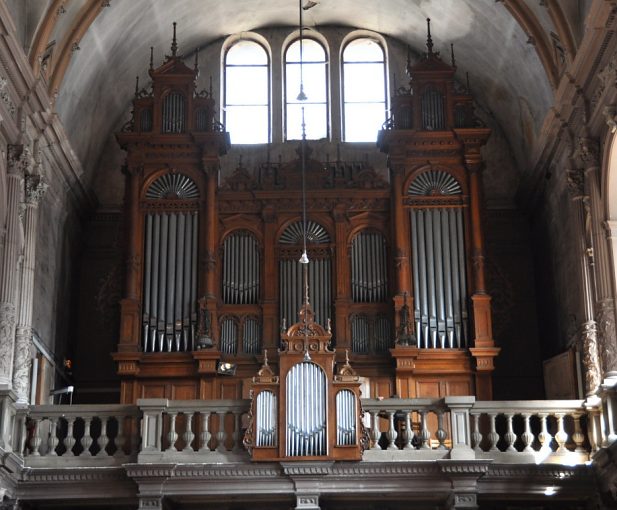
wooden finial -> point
(136, 85)
(452, 55)
(174, 43)
(151, 58)
(196, 60)
(468, 87)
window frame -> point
(268, 67)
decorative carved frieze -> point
(591, 362)
(22, 364)
(607, 335)
(7, 337)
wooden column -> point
(269, 279)
(130, 306)
(400, 236)
(208, 284)
(484, 350)
(342, 297)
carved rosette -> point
(23, 362)
(7, 336)
(607, 335)
(589, 341)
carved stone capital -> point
(588, 151)
(35, 188)
(576, 183)
(591, 362)
(19, 160)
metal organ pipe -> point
(345, 418)
(266, 419)
(169, 282)
(440, 289)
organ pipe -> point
(169, 289)
(369, 281)
(241, 269)
(345, 418)
(440, 287)
(266, 416)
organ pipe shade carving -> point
(370, 334)
(440, 287)
(434, 182)
(369, 280)
(251, 336)
(306, 393)
(315, 234)
(345, 418)
(433, 111)
(266, 414)
(229, 336)
(241, 269)
(170, 281)
(173, 186)
(174, 113)
(145, 120)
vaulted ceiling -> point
(89, 51)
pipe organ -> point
(395, 278)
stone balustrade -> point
(208, 431)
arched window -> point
(247, 93)
(364, 90)
(315, 87)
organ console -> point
(395, 279)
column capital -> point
(35, 189)
(576, 183)
(19, 160)
(588, 151)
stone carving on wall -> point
(607, 78)
(589, 341)
(35, 188)
(19, 159)
(7, 332)
(576, 182)
(6, 98)
(588, 151)
(607, 335)
(23, 361)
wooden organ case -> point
(395, 278)
(433, 144)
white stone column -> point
(35, 189)
(18, 160)
(589, 336)
(588, 151)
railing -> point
(211, 431)
(79, 434)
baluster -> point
(172, 436)
(375, 432)
(134, 427)
(221, 435)
(527, 436)
(35, 442)
(103, 438)
(22, 439)
(544, 436)
(53, 437)
(510, 436)
(188, 434)
(493, 437)
(120, 439)
(86, 440)
(409, 432)
(237, 447)
(69, 440)
(392, 434)
(561, 436)
(441, 432)
(205, 432)
(578, 437)
(425, 433)
(476, 437)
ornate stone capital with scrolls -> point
(19, 160)
(35, 189)
(591, 362)
(588, 151)
(576, 183)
